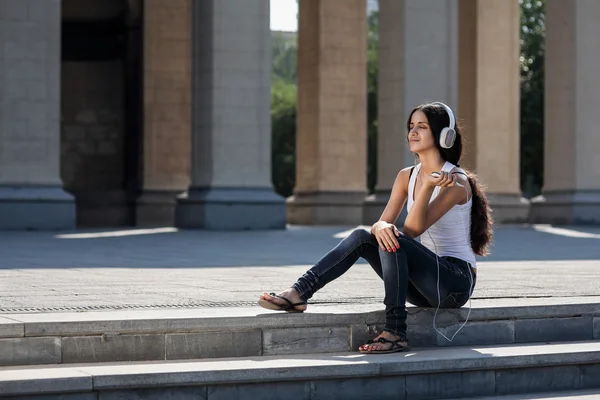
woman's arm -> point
(397, 197)
(384, 230)
(423, 214)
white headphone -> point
(448, 134)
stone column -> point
(331, 137)
(418, 41)
(231, 130)
(489, 101)
(31, 193)
(167, 109)
(571, 192)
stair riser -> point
(382, 386)
(278, 341)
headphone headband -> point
(448, 111)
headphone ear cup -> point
(447, 137)
(443, 138)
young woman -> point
(447, 208)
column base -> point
(156, 208)
(326, 208)
(374, 206)
(509, 208)
(566, 208)
(230, 209)
(103, 208)
(36, 208)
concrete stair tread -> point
(142, 321)
(566, 395)
(108, 376)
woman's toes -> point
(267, 297)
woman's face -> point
(420, 137)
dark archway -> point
(101, 109)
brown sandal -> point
(396, 346)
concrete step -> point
(451, 372)
(29, 339)
(564, 395)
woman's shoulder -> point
(403, 177)
(408, 171)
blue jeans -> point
(409, 274)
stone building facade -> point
(153, 112)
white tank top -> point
(450, 235)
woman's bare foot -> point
(289, 294)
(384, 346)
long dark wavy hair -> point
(481, 213)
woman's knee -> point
(360, 235)
(400, 239)
(358, 238)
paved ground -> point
(102, 270)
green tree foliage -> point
(533, 34)
(283, 129)
(283, 114)
(284, 55)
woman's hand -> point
(444, 179)
(386, 234)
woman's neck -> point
(431, 162)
